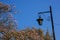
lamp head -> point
(40, 21)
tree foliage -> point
(7, 22)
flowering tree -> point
(7, 22)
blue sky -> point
(28, 13)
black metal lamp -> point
(40, 21)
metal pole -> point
(52, 23)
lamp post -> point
(40, 20)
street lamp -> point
(40, 20)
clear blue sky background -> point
(29, 13)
